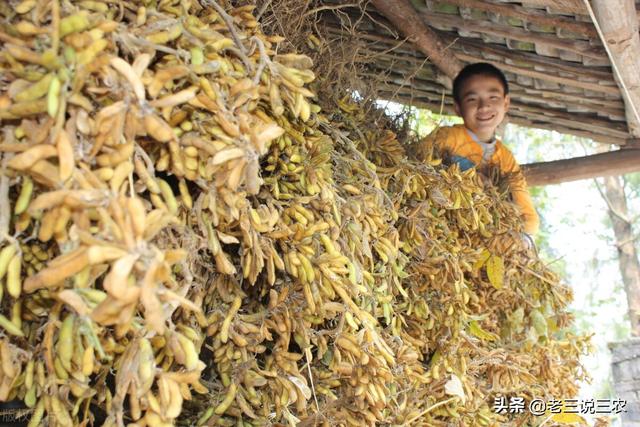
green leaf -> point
(477, 331)
(495, 271)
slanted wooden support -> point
(611, 163)
(407, 21)
(619, 24)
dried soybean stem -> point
(328, 7)
(426, 411)
(264, 60)
(60, 114)
(307, 353)
(55, 26)
(234, 34)
(146, 159)
(5, 206)
(128, 39)
(263, 9)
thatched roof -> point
(559, 72)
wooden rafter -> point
(529, 15)
(575, 7)
(576, 46)
(534, 60)
(475, 45)
(471, 50)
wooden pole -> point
(408, 22)
(617, 23)
(612, 163)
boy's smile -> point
(483, 105)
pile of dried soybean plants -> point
(187, 239)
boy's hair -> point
(477, 69)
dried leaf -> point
(484, 256)
(495, 271)
(454, 387)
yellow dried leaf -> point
(484, 256)
(569, 418)
(495, 271)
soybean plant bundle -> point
(483, 316)
(187, 240)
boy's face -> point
(483, 105)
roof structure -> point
(558, 68)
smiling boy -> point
(481, 98)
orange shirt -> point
(457, 141)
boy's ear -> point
(507, 103)
(456, 108)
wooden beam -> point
(576, 46)
(619, 25)
(613, 163)
(529, 15)
(404, 17)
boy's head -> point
(481, 95)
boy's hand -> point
(485, 181)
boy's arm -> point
(519, 191)
(440, 141)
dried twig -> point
(429, 409)
(242, 54)
(5, 206)
(263, 9)
(264, 60)
(327, 7)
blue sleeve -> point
(462, 162)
